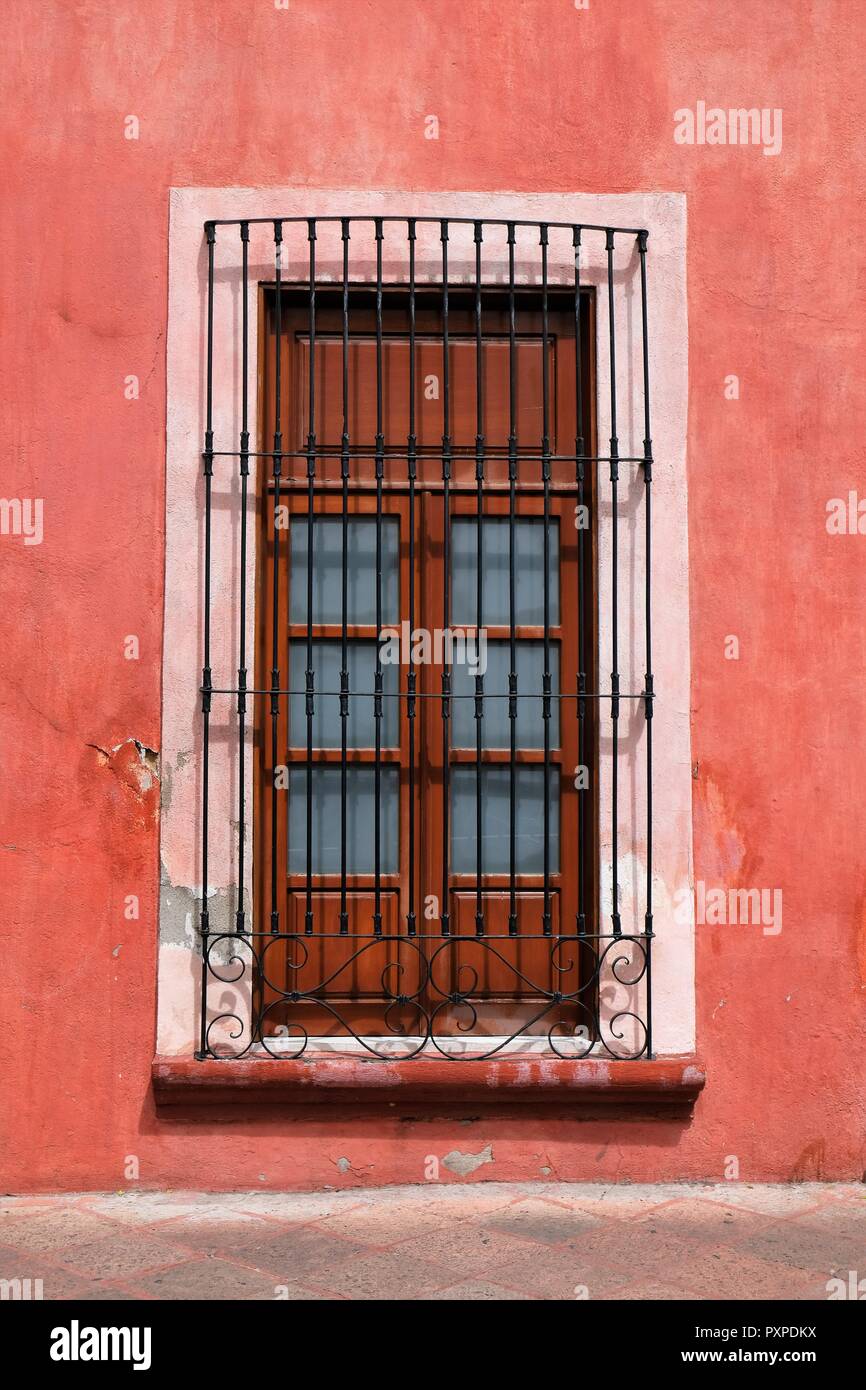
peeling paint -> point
(142, 769)
(150, 764)
(464, 1164)
(178, 914)
(179, 908)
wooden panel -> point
(428, 392)
(506, 979)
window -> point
(428, 742)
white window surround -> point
(664, 215)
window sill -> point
(183, 1081)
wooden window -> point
(350, 973)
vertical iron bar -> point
(344, 601)
(242, 636)
(479, 679)
(580, 474)
(410, 679)
(377, 701)
(649, 689)
(545, 475)
(614, 677)
(446, 589)
(275, 652)
(207, 679)
(311, 479)
(512, 589)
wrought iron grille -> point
(283, 986)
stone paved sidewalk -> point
(454, 1241)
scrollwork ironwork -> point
(429, 996)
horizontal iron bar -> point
(431, 221)
(435, 695)
(494, 454)
(470, 937)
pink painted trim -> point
(184, 1081)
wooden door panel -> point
(428, 392)
(509, 980)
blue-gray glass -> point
(360, 570)
(495, 724)
(495, 550)
(495, 819)
(360, 811)
(360, 725)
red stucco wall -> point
(530, 95)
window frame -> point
(664, 214)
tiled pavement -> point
(461, 1241)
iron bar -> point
(545, 473)
(614, 677)
(479, 677)
(411, 677)
(431, 221)
(275, 649)
(648, 678)
(207, 675)
(242, 635)
(377, 699)
(344, 592)
(396, 452)
(311, 481)
(580, 516)
(512, 590)
(445, 914)
(433, 695)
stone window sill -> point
(183, 1081)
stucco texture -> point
(532, 96)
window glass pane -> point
(360, 812)
(360, 725)
(495, 724)
(495, 546)
(328, 570)
(495, 819)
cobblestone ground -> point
(456, 1241)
